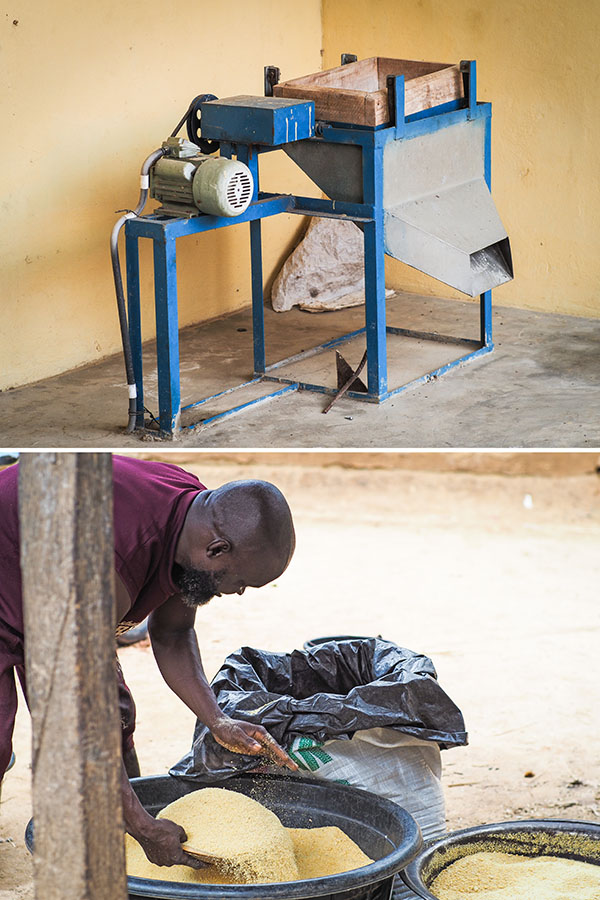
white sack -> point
(325, 271)
(398, 766)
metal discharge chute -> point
(439, 215)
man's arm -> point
(171, 629)
(160, 838)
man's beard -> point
(196, 586)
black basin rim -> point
(411, 874)
(292, 890)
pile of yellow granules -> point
(489, 875)
(255, 846)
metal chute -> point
(454, 235)
(439, 215)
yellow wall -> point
(92, 89)
(537, 62)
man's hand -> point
(243, 737)
(162, 842)
(160, 839)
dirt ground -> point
(496, 578)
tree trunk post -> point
(67, 563)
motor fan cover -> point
(222, 187)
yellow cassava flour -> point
(257, 848)
(504, 876)
(325, 851)
(250, 838)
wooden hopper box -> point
(356, 94)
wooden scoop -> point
(210, 858)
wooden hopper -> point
(356, 93)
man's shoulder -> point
(152, 471)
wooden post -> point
(67, 562)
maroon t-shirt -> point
(151, 500)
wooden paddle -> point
(210, 858)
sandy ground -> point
(500, 590)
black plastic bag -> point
(331, 691)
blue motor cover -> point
(257, 120)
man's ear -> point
(217, 547)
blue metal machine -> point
(440, 220)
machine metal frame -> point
(164, 231)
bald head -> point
(254, 514)
(235, 536)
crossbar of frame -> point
(368, 397)
(287, 389)
(293, 384)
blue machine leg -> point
(375, 308)
(485, 300)
(132, 256)
(167, 335)
(485, 318)
(249, 156)
(258, 312)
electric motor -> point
(186, 181)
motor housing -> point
(187, 182)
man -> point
(177, 545)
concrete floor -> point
(539, 388)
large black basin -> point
(382, 829)
(529, 837)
